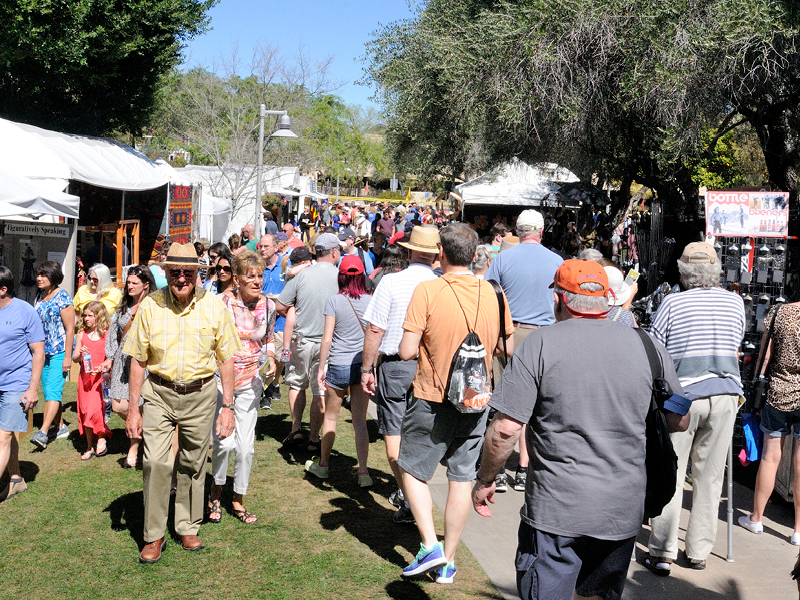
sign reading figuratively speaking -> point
(747, 214)
(37, 229)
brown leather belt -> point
(181, 388)
(526, 325)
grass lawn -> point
(77, 531)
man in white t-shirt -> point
(384, 375)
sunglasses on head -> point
(176, 273)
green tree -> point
(91, 66)
(621, 90)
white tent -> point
(56, 157)
(516, 183)
(222, 183)
(21, 196)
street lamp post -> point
(283, 130)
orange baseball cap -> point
(572, 273)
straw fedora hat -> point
(181, 255)
(423, 239)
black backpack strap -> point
(502, 304)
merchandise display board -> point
(751, 214)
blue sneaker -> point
(426, 560)
(446, 573)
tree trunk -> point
(778, 140)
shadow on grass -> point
(405, 590)
(127, 513)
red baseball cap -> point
(351, 265)
(572, 273)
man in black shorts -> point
(582, 388)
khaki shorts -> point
(302, 370)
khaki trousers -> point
(499, 362)
(193, 414)
(706, 441)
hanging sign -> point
(747, 214)
(37, 230)
(180, 213)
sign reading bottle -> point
(747, 214)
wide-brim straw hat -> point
(423, 239)
(181, 255)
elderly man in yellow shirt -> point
(181, 335)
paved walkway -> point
(760, 569)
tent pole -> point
(71, 257)
(729, 524)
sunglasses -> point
(176, 273)
(94, 279)
(213, 256)
(224, 268)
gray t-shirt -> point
(307, 292)
(348, 334)
(583, 388)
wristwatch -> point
(365, 371)
(227, 405)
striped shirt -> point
(702, 330)
(182, 345)
(389, 303)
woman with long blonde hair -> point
(90, 352)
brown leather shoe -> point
(191, 542)
(152, 552)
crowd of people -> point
(367, 305)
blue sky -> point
(335, 28)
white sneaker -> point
(757, 527)
(796, 539)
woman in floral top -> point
(57, 312)
(254, 316)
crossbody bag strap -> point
(363, 329)
(653, 357)
(127, 327)
(762, 364)
(502, 304)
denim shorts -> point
(53, 377)
(12, 415)
(777, 423)
(340, 377)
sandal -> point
(657, 564)
(88, 455)
(244, 516)
(214, 508)
(127, 464)
(314, 446)
(295, 438)
(104, 451)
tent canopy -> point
(48, 155)
(29, 197)
(515, 183)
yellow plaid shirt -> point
(182, 345)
